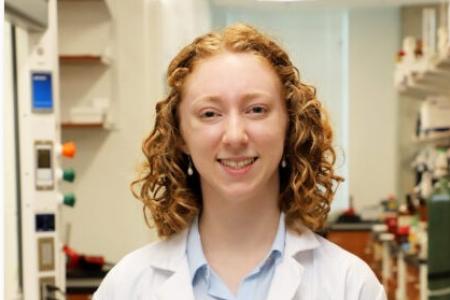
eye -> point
(257, 109)
(208, 114)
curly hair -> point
(307, 185)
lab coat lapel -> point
(170, 261)
(286, 280)
(289, 273)
(177, 286)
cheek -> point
(269, 141)
(272, 130)
(198, 136)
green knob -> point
(69, 199)
(69, 175)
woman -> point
(239, 172)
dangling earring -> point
(283, 162)
(190, 171)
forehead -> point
(229, 74)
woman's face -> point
(233, 121)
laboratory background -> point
(81, 79)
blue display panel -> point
(42, 95)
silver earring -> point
(190, 171)
(283, 162)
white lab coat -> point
(311, 268)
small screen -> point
(45, 222)
(44, 159)
(42, 91)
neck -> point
(239, 225)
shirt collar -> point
(197, 259)
(194, 250)
(280, 238)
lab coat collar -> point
(169, 256)
(289, 273)
(296, 243)
(178, 285)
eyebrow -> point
(247, 97)
(212, 99)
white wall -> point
(107, 220)
(374, 36)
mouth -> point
(237, 163)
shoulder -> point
(142, 268)
(334, 255)
(126, 274)
(357, 277)
(331, 271)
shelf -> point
(432, 82)
(419, 91)
(86, 64)
(83, 59)
(85, 3)
(436, 138)
(444, 63)
(70, 125)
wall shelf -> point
(83, 59)
(86, 59)
(434, 81)
(444, 63)
(436, 138)
(70, 125)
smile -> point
(237, 163)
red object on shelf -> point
(349, 212)
(80, 261)
(73, 257)
(403, 230)
(402, 234)
(392, 224)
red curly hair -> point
(307, 185)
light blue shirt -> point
(207, 285)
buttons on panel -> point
(66, 174)
(67, 149)
(67, 199)
(44, 164)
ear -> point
(183, 147)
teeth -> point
(237, 164)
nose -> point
(235, 134)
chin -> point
(240, 192)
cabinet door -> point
(356, 242)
